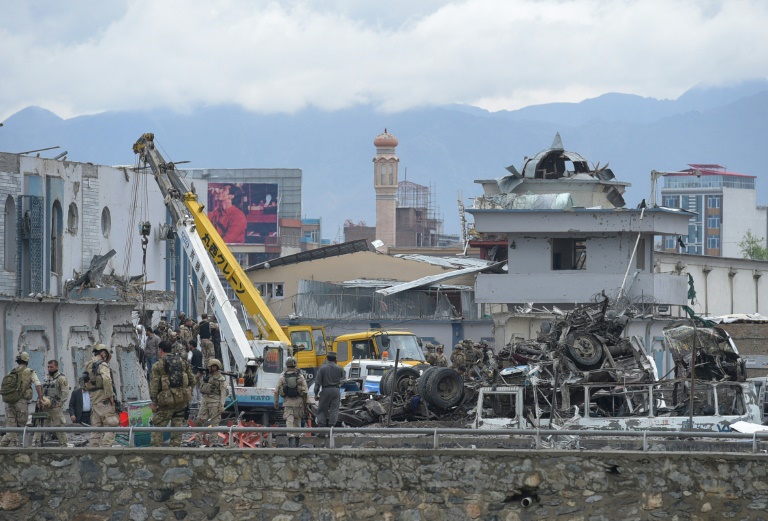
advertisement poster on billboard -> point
(243, 213)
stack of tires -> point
(440, 387)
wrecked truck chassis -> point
(621, 408)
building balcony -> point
(577, 286)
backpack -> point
(10, 389)
(291, 387)
(175, 392)
(175, 371)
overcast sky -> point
(82, 57)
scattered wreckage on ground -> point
(579, 373)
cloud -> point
(81, 57)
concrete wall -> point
(405, 484)
(740, 214)
(723, 285)
(66, 332)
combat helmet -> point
(214, 361)
(290, 362)
(102, 347)
(23, 356)
(430, 347)
(458, 346)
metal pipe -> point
(693, 373)
(526, 501)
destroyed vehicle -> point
(717, 357)
(661, 406)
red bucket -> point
(123, 419)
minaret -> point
(385, 182)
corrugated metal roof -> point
(447, 262)
(387, 283)
(431, 279)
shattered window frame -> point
(577, 248)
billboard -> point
(243, 213)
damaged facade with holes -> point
(571, 247)
(72, 262)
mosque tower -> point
(385, 183)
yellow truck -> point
(378, 345)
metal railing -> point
(537, 436)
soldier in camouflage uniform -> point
(177, 345)
(206, 342)
(458, 360)
(56, 389)
(163, 331)
(169, 402)
(103, 412)
(294, 398)
(188, 331)
(431, 357)
(213, 388)
(440, 359)
(17, 407)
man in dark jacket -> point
(327, 381)
(80, 405)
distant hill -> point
(445, 147)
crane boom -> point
(187, 213)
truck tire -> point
(444, 388)
(585, 350)
(423, 379)
(399, 382)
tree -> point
(753, 247)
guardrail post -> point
(331, 441)
(24, 437)
(645, 441)
(538, 439)
(436, 441)
(130, 436)
(231, 437)
(754, 442)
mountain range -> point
(445, 147)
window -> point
(670, 242)
(319, 341)
(106, 222)
(671, 201)
(713, 201)
(713, 221)
(713, 242)
(569, 254)
(302, 340)
(274, 290)
(9, 235)
(342, 352)
(73, 219)
(640, 255)
(56, 229)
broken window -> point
(56, 229)
(9, 235)
(569, 254)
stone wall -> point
(450, 484)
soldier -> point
(206, 344)
(458, 359)
(431, 357)
(56, 389)
(327, 381)
(182, 319)
(150, 350)
(163, 331)
(177, 345)
(293, 388)
(440, 359)
(102, 390)
(214, 391)
(17, 392)
(170, 389)
(187, 331)
(216, 338)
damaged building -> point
(73, 265)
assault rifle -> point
(206, 371)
